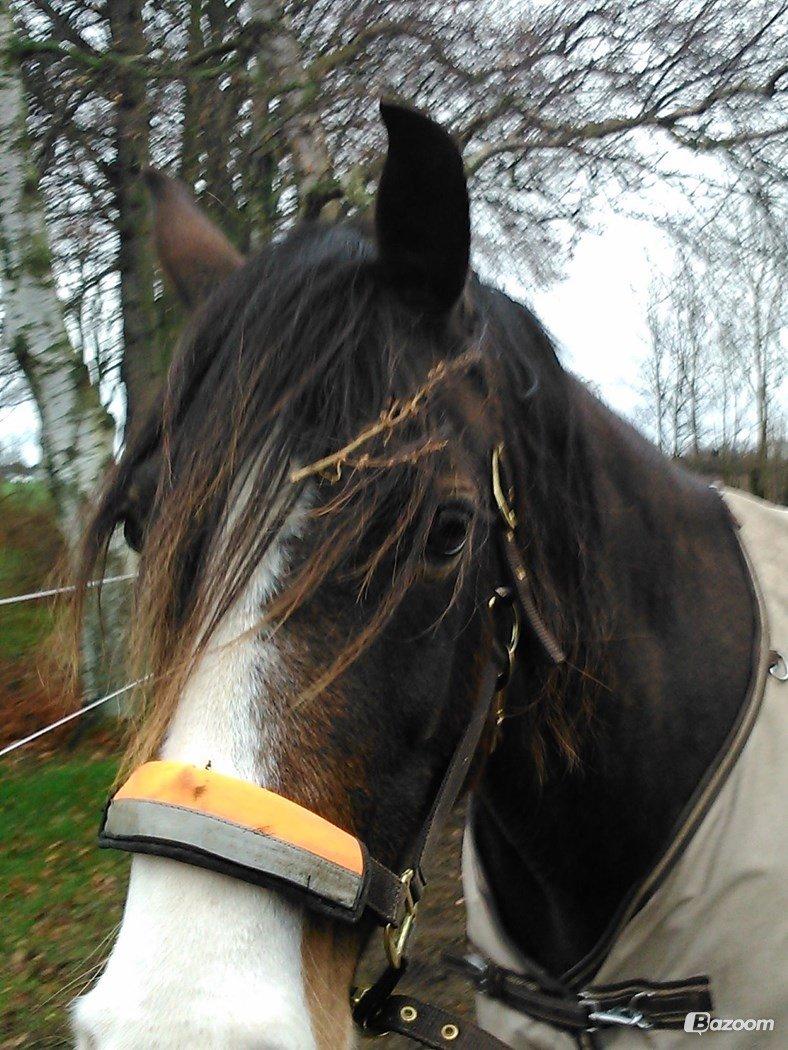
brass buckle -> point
(356, 995)
(395, 938)
(505, 596)
(503, 497)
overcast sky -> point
(19, 424)
(597, 313)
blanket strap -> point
(628, 1004)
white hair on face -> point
(202, 959)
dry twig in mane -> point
(330, 467)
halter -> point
(212, 821)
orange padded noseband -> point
(235, 828)
(245, 804)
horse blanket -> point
(716, 902)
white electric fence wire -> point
(69, 718)
(63, 590)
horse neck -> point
(562, 852)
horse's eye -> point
(448, 532)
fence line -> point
(69, 718)
(16, 598)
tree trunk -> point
(143, 362)
(76, 430)
(760, 383)
(193, 102)
(280, 62)
(761, 486)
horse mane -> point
(544, 422)
(288, 362)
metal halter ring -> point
(505, 596)
(503, 496)
(395, 938)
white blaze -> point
(203, 960)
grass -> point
(26, 519)
(22, 626)
(60, 896)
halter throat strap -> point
(511, 554)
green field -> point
(60, 896)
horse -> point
(367, 468)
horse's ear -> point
(193, 252)
(422, 213)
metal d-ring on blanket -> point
(778, 666)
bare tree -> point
(731, 393)
(76, 431)
(718, 331)
(676, 375)
(268, 110)
(656, 371)
(753, 250)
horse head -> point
(312, 504)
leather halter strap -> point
(431, 1025)
(376, 1009)
(212, 821)
(503, 492)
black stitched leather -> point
(456, 773)
(430, 1025)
